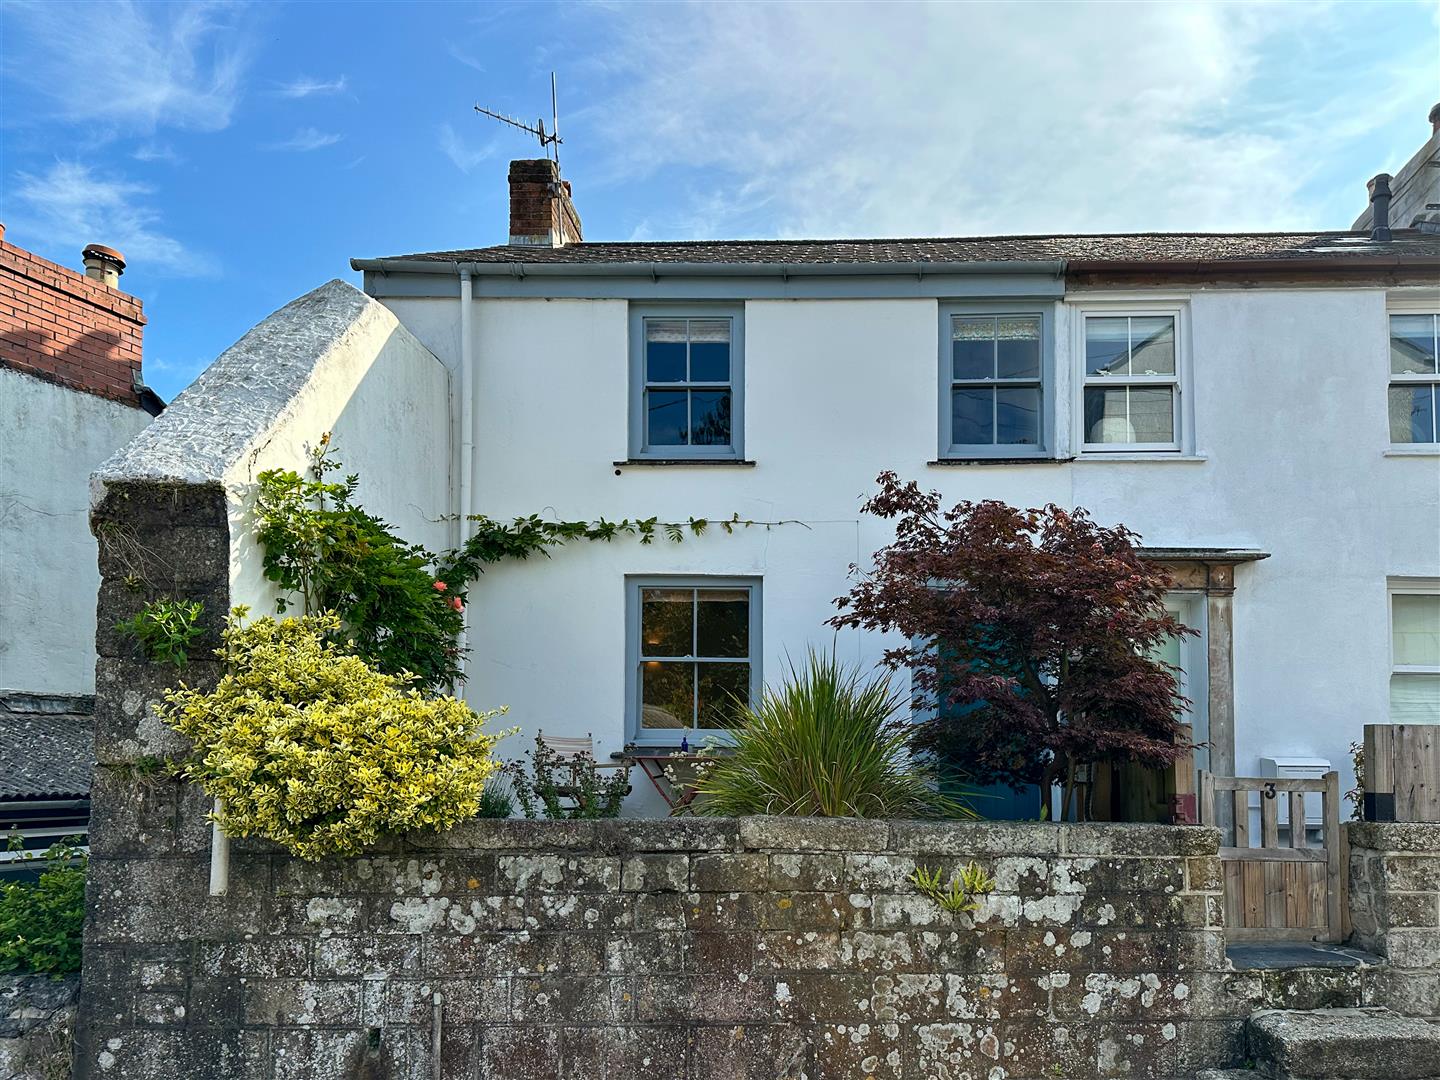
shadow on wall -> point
(88, 363)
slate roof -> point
(45, 753)
(1155, 248)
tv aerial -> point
(549, 140)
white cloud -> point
(933, 119)
(306, 139)
(305, 86)
(463, 155)
(137, 67)
(71, 205)
(156, 151)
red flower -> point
(440, 586)
(456, 604)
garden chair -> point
(573, 753)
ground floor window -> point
(1415, 652)
(693, 654)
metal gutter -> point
(656, 270)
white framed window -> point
(1132, 378)
(1414, 390)
(693, 653)
(996, 380)
(686, 381)
(1415, 651)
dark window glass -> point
(667, 695)
(1017, 415)
(724, 691)
(667, 422)
(710, 417)
(1017, 343)
(723, 622)
(666, 622)
(972, 416)
(973, 348)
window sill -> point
(673, 463)
(965, 462)
(1162, 456)
(1421, 451)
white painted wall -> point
(1290, 431)
(385, 399)
(51, 438)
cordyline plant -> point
(1031, 637)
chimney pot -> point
(1435, 118)
(541, 213)
(1379, 189)
(103, 264)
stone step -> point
(1344, 1044)
(1227, 1074)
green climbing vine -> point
(400, 605)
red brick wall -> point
(62, 326)
(540, 202)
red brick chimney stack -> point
(541, 213)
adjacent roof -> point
(48, 747)
(1172, 249)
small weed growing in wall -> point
(166, 629)
(961, 894)
(41, 921)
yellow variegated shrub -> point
(311, 747)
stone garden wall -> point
(673, 949)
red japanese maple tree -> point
(1031, 634)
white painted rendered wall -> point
(385, 399)
(1290, 425)
(51, 438)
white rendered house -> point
(1261, 408)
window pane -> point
(666, 417)
(1018, 348)
(1412, 344)
(710, 416)
(1107, 346)
(972, 416)
(1415, 625)
(1412, 414)
(1415, 699)
(709, 350)
(1017, 415)
(1152, 350)
(724, 693)
(1152, 414)
(665, 350)
(973, 347)
(666, 621)
(667, 695)
(723, 622)
(1105, 419)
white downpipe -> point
(219, 856)
(467, 438)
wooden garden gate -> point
(1274, 893)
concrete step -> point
(1344, 1044)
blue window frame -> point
(996, 380)
(687, 391)
(692, 655)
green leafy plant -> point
(496, 801)
(312, 747)
(566, 789)
(1356, 795)
(824, 744)
(394, 610)
(961, 893)
(166, 629)
(41, 921)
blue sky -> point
(240, 154)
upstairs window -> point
(993, 379)
(687, 394)
(1132, 382)
(1414, 379)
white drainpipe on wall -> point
(467, 438)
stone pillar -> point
(1395, 911)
